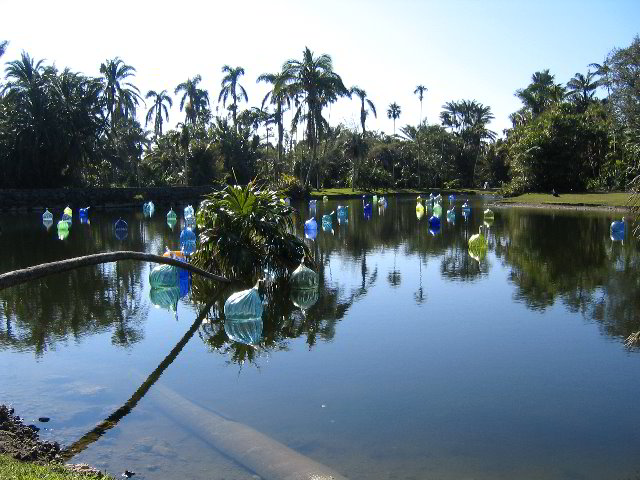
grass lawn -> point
(617, 199)
(347, 192)
(11, 469)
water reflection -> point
(549, 257)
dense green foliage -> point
(62, 128)
(245, 230)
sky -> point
(459, 49)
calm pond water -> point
(416, 361)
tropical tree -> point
(314, 82)
(468, 120)
(121, 96)
(541, 93)
(363, 109)
(157, 109)
(279, 97)
(582, 88)
(3, 47)
(194, 99)
(394, 112)
(355, 149)
(420, 89)
(230, 88)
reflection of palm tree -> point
(394, 275)
(112, 420)
(419, 294)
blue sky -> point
(481, 50)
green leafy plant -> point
(245, 230)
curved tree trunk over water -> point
(17, 277)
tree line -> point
(63, 128)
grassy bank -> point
(617, 199)
(347, 192)
(11, 469)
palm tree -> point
(194, 100)
(394, 112)
(541, 94)
(363, 110)
(158, 107)
(582, 88)
(121, 97)
(279, 97)
(604, 72)
(229, 88)
(317, 85)
(420, 89)
(355, 148)
(3, 47)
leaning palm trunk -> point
(17, 277)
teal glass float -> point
(246, 304)
(148, 208)
(172, 219)
(188, 241)
(164, 276)
(343, 212)
(327, 222)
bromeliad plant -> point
(245, 231)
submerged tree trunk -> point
(17, 277)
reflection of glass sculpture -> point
(451, 215)
(325, 199)
(437, 210)
(488, 214)
(419, 212)
(188, 241)
(478, 245)
(618, 229)
(452, 198)
(63, 234)
(148, 208)
(304, 298)
(172, 219)
(62, 225)
(311, 228)
(189, 211)
(434, 221)
(247, 331)
(67, 218)
(466, 207)
(121, 229)
(165, 297)
(312, 206)
(368, 211)
(343, 212)
(327, 222)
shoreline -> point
(24, 455)
(561, 206)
